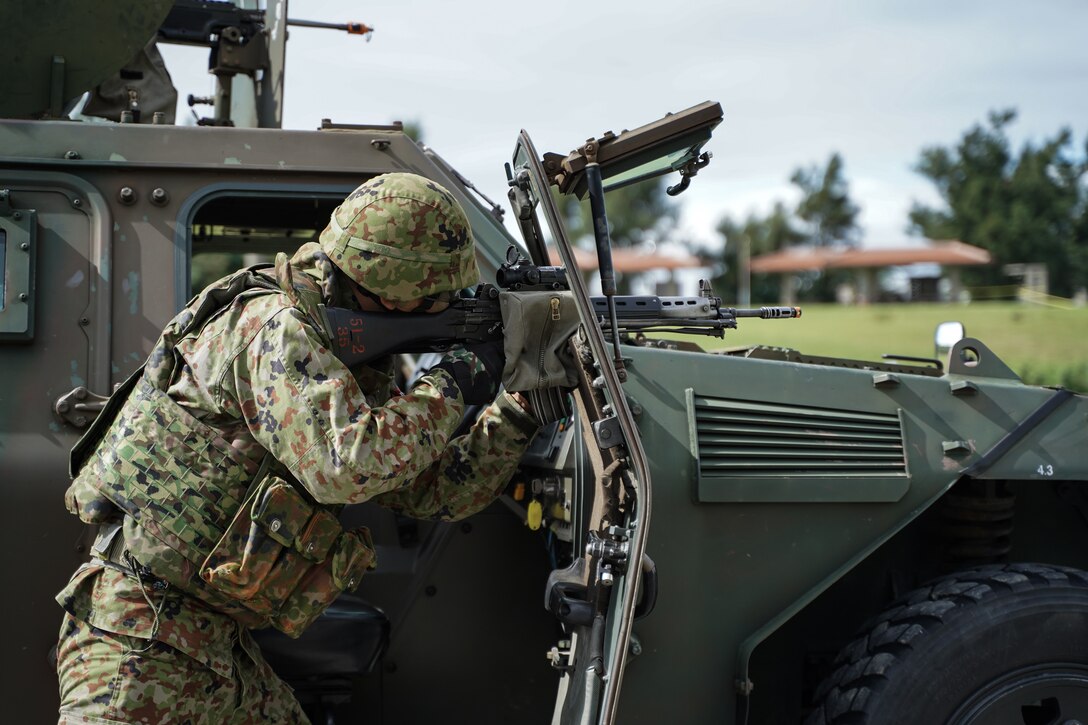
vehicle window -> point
(231, 231)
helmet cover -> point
(402, 237)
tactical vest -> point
(256, 547)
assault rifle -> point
(359, 337)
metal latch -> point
(611, 553)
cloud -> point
(874, 81)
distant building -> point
(636, 261)
(949, 255)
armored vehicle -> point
(756, 536)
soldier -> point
(217, 471)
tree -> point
(1027, 207)
(414, 130)
(825, 206)
(824, 217)
(760, 235)
(829, 219)
(637, 214)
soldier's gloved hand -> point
(477, 371)
(493, 356)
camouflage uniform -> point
(258, 388)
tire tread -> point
(863, 666)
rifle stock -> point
(359, 337)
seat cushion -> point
(346, 640)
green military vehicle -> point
(831, 541)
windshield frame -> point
(638, 472)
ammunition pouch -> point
(285, 559)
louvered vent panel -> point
(745, 439)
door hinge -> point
(80, 406)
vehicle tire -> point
(996, 645)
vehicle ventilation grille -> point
(744, 439)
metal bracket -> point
(885, 380)
(519, 197)
(559, 656)
(955, 447)
(236, 54)
(567, 597)
(608, 433)
(18, 255)
(619, 533)
(80, 406)
(963, 387)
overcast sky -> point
(875, 81)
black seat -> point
(346, 641)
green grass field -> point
(1045, 346)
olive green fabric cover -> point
(537, 327)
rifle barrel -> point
(767, 313)
(351, 28)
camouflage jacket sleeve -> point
(473, 469)
(307, 409)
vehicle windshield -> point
(654, 167)
(671, 143)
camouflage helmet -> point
(402, 237)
